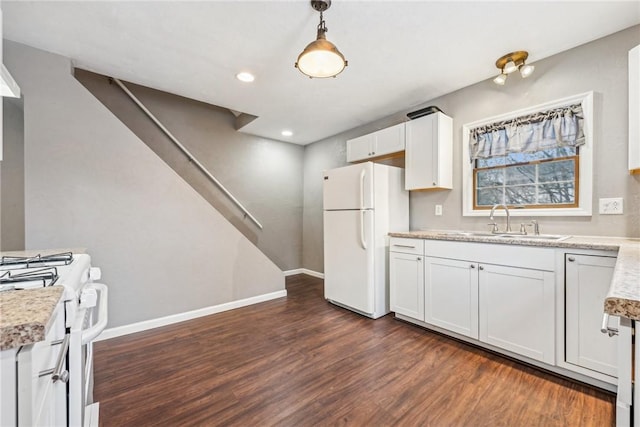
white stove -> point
(85, 317)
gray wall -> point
(12, 176)
(90, 182)
(264, 175)
(600, 66)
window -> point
(538, 160)
(543, 179)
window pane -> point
(556, 193)
(491, 162)
(488, 196)
(525, 174)
(490, 178)
(513, 158)
(520, 195)
(556, 171)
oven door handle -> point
(92, 332)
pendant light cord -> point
(321, 25)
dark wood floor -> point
(300, 361)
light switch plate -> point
(611, 206)
(438, 210)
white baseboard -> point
(304, 271)
(181, 317)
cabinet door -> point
(41, 401)
(429, 155)
(360, 148)
(451, 295)
(634, 110)
(517, 310)
(389, 140)
(406, 284)
(587, 283)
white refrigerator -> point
(362, 203)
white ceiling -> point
(401, 53)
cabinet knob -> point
(481, 268)
(419, 259)
(434, 183)
(571, 259)
(472, 266)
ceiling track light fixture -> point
(321, 58)
(512, 62)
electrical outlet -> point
(438, 210)
(612, 206)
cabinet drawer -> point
(406, 246)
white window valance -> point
(543, 130)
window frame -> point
(584, 171)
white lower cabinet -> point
(451, 295)
(587, 282)
(406, 273)
(517, 310)
(498, 295)
(507, 307)
(41, 396)
(542, 305)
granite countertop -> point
(25, 315)
(623, 298)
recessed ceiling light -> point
(245, 77)
(287, 133)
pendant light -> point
(321, 58)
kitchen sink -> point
(553, 237)
(549, 237)
(469, 233)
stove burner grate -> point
(63, 258)
(31, 278)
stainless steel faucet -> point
(533, 223)
(536, 227)
(495, 225)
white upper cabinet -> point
(390, 140)
(360, 148)
(634, 110)
(377, 144)
(427, 144)
(1, 113)
(429, 153)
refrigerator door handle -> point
(362, 175)
(363, 243)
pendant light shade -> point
(321, 58)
